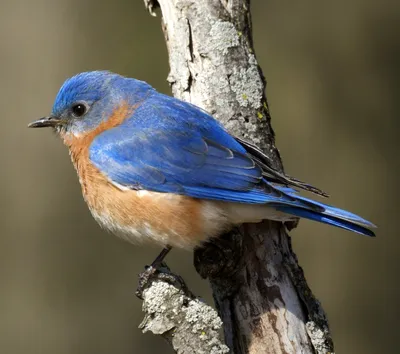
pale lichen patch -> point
(188, 321)
(318, 337)
(223, 36)
(247, 85)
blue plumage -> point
(126, 141)
(171, 146)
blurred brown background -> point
(333, 85)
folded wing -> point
(171, 146)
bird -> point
(155, 168)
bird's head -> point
(89, 98)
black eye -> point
(79, 109)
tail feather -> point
(328, 209)
(341, 214)
(332, 216)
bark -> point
(259, 289)
(172, 311)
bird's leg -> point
(151, 270)
(159, 259)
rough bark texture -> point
(259, 289)
(186, 322)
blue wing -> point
(171, 146)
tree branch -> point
(173, 312)
(259, 289)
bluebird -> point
(153, 167)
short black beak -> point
(45, 122)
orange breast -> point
(136, 215)
(140, 215)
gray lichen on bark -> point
(187, 323)
(259, 289)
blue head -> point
(87, 99)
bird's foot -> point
(158, 270)
(159, 273)
(150, 273)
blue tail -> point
(327, 219)
(330, 215)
